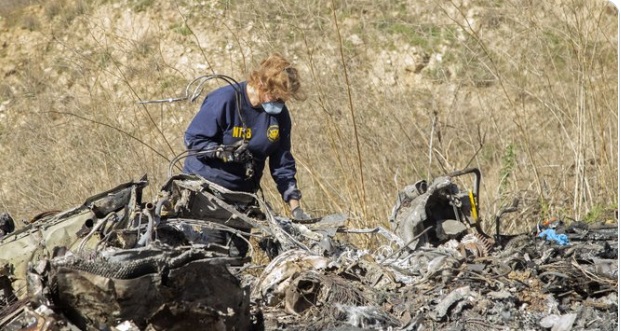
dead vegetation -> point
(398, 90)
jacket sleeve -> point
(205, 131)
(282, 165)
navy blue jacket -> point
(218, 122)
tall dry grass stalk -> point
(398, 91)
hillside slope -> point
(398, 91)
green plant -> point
(594, 214)
(181, 29)
(104, 59)
(6, 92)
(30, 23)
(141, 5)
(53, 8)
(509, 162)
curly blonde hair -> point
(278, 78)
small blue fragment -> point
(551, 235)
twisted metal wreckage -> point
(120, 263)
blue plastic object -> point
(551, 235)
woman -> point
(239, 127)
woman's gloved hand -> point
(298, 214)
(237, 152)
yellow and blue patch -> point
(273, 133)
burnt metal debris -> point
(185, 261)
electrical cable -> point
(196, 92)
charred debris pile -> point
(177, 262)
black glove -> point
(298, 214)
(237, 153)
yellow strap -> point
(473, 207)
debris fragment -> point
(558, 323)
(551, 235)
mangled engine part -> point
(39, 239)
(231, 215)
(332, 291)
(271, 286)
(296, 277)
(185, 212)
(310, 288)
(116, 258)
(159, 289)
(192, 197)
(437, 212)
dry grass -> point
(398, 91)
